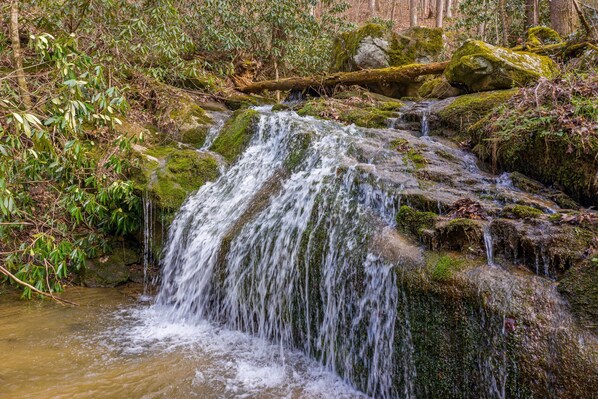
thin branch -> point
(32, 288)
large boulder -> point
(375, 46)
(109, 270)
(478, 66)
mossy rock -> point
(413, 221)
(236, 101)
(363, 110)
(522, 211)
(375, 46)
(439, 88)
(444, 267)
(580, 287)
(235, 134)
(109, 270)
(468, 109)
(541, 36)
(169, 174)
(478, 66)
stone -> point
(109, 270)
(478, 66)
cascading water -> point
(148, 238)
(283, 246)
(294, 267)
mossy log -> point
(402, 74)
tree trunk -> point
(449, 8)
(392, 10)
(563, 17)
(426, 9)
(402, 74)
(372, 8)
(412, 13)
(532, 13)
(17, 55)
(502, 10)
(439, 13)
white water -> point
(264, 283)
(488, 243)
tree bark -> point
(502, 10)
(449, 8)
(532, 13)
(17, 55)
(412, 12)
(372, 8)
(563, 18)
(402, 74)
(439, 13)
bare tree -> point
(413, 13)
(532, 13)
(449, 8)
(372, 8)
(563, 17)
(17, 55)
(502, 11)
(439, 13)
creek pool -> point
(115, 346)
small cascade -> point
(148, 238)
(488, 243)
(424, 124)
(220, 119)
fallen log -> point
(402, 74)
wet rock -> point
(478, 66)
(109, 270)
(235, 134)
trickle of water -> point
(425, 125)
(489, 243)
(220, 119)
(504, 180)
(148, 237)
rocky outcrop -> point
(375, 46)
(438, 88)
(478, 66)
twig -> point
(32, 288)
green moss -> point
(194, 136)
(416, 158)
(523, 211)
(346, 44)
(401, 145)
(580, 287)
(466, 110)
(478, 66)
(238, 101)
(445, 267)
(363, 111)
(416, 45)
(541, 35)
(235, 134)
(299, 146)
(437, 87)
(414, 222)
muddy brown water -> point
(115, 346)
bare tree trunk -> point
(449, 8)
(426, 9)
(532, 13)
(439, 13)
(372, 8)
(17, 55)
(392, 10)
(502, 10)
(563, 17)
(412, 12)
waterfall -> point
(148, 237)
(281, 246)
(281, 252)
(425, 125)
(488, 243)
